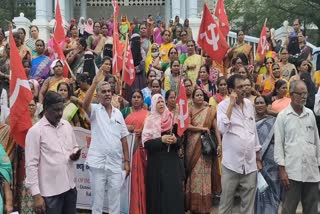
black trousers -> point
(306, 192)
(65, 203)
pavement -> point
(236, 208)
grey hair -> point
(100, 84)
(293, 85)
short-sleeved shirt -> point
(106, 133)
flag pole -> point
(123, 63)
(71, 73)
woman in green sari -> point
(6, 204)
(70, 111)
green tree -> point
(10, 9)
(249, 15)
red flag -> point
(20, 96)
(221, 14)
(263, 45)
(59, 31)
(117, 60)
(210, 38)
(115, 9)
(183, 115)
(60, 55)
(129, 71)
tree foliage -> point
(10, 9)
(249, 15)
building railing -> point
(253, 41)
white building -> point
(96, 9)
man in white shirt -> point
(241, 148)
(108, 150)
(297, 152)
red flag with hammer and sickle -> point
(210, 38)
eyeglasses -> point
(173, 52)
(301, 94)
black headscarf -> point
(136, 49)
(89, 66)
(107, 50)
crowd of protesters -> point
(261, 113)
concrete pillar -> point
(83, 9)
(193, 9)
(183, 14)
(175, 8)
(41, 20)
(167, 11)
(194, 20)
(71, 6)
(67, 10)
(50, 10)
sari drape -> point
(5, 172)
(193, 73)
(40, 67)
(267, 202)
(199, 185)
(139, 163)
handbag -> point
(208, 141)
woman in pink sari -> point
(134, 118)
(157, 34)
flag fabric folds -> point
(183, 115)
(263, 45)
(117, 56)
(210, 38)
(129, 70)
(221, 14)
(20, 96)
(59, 34)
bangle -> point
(126, 161)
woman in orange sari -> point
(279, 99)
(134, 118)
(266, 81)
(202, 171)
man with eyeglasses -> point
(240, 148)
(297, 152)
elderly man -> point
(108, 151)
(297, 152)
(241, 148)
(51, 150)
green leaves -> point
(249, 15)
